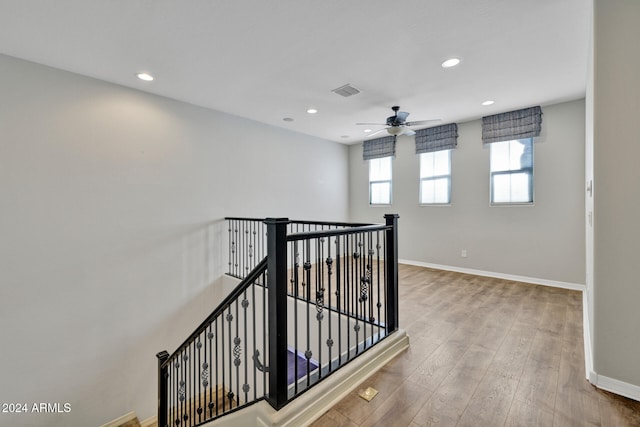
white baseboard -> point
(586, 330)
(616, 386)
(121, 420)
(602, 382)
(512, 277)
(149, 421)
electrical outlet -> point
(463, 253)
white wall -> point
(544, 241)
(110, 207)
(616, 103)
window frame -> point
(434, 178)
(389, 181)
(529, 171)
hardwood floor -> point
(484, 352)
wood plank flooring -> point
(484, 352)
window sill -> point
(493, 205)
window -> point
(512, 171)
(435, 177)
(380, 181)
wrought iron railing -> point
(247, 243)
(247, 240)
(338, 281)
(331, 294)
(218, 369)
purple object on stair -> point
(301, 361)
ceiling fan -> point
(397, 124)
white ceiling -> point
(267, 60)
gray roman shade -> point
(520, 124)
(379, 147)
(438, 138)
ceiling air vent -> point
(346, 90)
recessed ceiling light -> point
(145, 76)
(367, 130)
(488, 102)
(452, 62)
(312, 111)
(287, 119)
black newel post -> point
(391, 262)
(277, 288)
(163, 373)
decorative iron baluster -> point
(230, 247)
(370, 275)
(247, 260)
(347, 290)
(329, 262)
(233, 249)
(229, 319)
(369, 302)
(185, 384)
(237, 352)
(197, 383)
(320, 297)
(245, 386)
(255, 345)
(295, 279)
(215, 336)
(307, 268)
(210, 337)
(338, 282)
(256, 250)
(364, 295)
(264, 332)
(359, 307)
(223, 370)
(194, 382)
(167, 416)
(378, 247)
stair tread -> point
(131, 423)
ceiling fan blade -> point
(408, 132)
(402, 116)
(372, 124)
(423, 122)
(376, 132)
